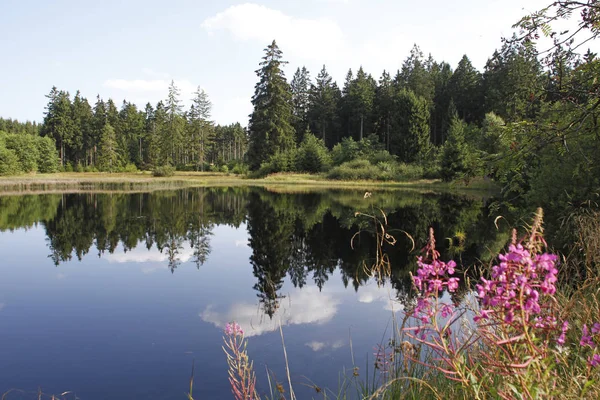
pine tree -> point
(300, 99)
(466, 89)
(108, 152)
(361, 95)
(324, 99)
(200, 126)
(384, 107)
(410, 127)
(172, 141)
(82, 122)
(98, 123)
(58, 123)
(270, 126)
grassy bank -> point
(96, 181)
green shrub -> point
(90, 168)
(79, 168)
(240, 169)
(406, 172)
(130, 168)
(279, 162)
(68, 167)
(47, 161)
(381, 156)
(9, 162)
(312, 155)
(26, 150)
(224, 169)
(163, 171)
(354, 170)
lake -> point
(116, 295)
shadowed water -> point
(114, 295)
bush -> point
(47, 161)
(163, 171)
(354, 170)
(79, 168)
(89, 168)
(406, 172)
(312, 155)
(26, 150)
(224, 169)
(9, 162)
(279, 162)
(382, 156)
(130, 168)
(240, 169)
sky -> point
(130, 49)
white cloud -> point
(306, 306)
(151, 87)
(318, 39)
(316, 346)
(371, 294)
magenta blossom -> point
(594, 360)
(233, 329)
(586, 339)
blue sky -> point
(131, 49)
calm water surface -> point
(115, 295)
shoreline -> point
(144, 181)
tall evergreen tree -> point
(324, 100)
(108, 153)
(300, 86)
(201, 128)
(172, 140)
(82, 124)
(270, 126)
(384, 107)
(410, 127)
(466, 88)
(361, 95)
(58, 123)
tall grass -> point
(519, 335)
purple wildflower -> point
(586, 339)
(594, 360)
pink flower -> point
(562, 339)
(452, 284)
(233, 329)
(596, 328)
(586, 339)
(594, 360)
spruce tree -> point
(270, 127)
(108, 152)
(200, 126)
(300, 99)
(324, 99)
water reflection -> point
(161, 273)
(301, 236)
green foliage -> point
(312, 155)
(410, 128)
(129, 168)
(270, 126)
(25, 147)
(459, 160)
(358, 169)
(9, 162)
(48, 160)
(108, 153)
(163, 171)
(279, 162)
